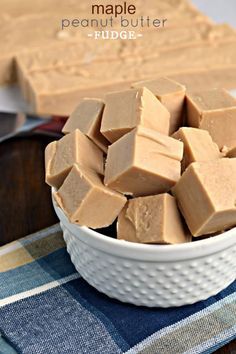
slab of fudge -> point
(171, 95)
(87, 118)
(215, 111)
(83, 50)
(206, 194)
(127, 109)
(47, 96)
(215, 78)
(152, 219)
(28, 38)
(170, 38)
(86, 201)
(29, 21)
(198, 145)
(143, 162)
(72, 148)
(80, 51)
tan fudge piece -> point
(72, 148)
(171, 95)
(215, 111)
(198, 145)
(152, 219)
(206, 195)
(50, 152)
(28, 38)
(86, 201)
(87, 118)
(29, 20)
(214, 78)
(84, 51)
(232, 151)
(143, 162)
(47, 95)
(127, 109)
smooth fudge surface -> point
(87, 118)
(50, 152)
(72, 148)
(143, 162)
(127, 109)
(206, 195)
(215, 111)
(152, 219)
(47, 95)
(198, 145)
(171, 94)
(86, 201)
(232, 151)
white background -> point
(219, 10)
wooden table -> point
(25, 200)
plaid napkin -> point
(46, 307)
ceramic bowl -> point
(151, 275)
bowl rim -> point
(122, 248)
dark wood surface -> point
(25, 204)
(25, 200)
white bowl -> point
(151, 275)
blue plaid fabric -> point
(46, 307)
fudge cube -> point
(72, 148)
(171, 94)
(125, 110)
(198, 145)
(231, 152)
(50, 152)
(143, 162)
(86, 201)
(152, 219)
(87, 118)
(215, 111)
(206, 195)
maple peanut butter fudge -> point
(206, 195)
(232, 151)
(87, 118)
(215, 111)
(143, 162)
(86, 201)
(171, 94)
(72, 148)
(125, 110)
(152, 219)
(198, 145)
(93, 79)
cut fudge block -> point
(125, 110)
(171, 95)
(143, 162)
(50, 152)
(72, 148)
(232, 150)
(198, 145)
(215, 111)
(215, 78)
(152, 219)
(206, 195)
(86, 201)
(87, 118)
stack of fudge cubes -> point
(160, 160)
